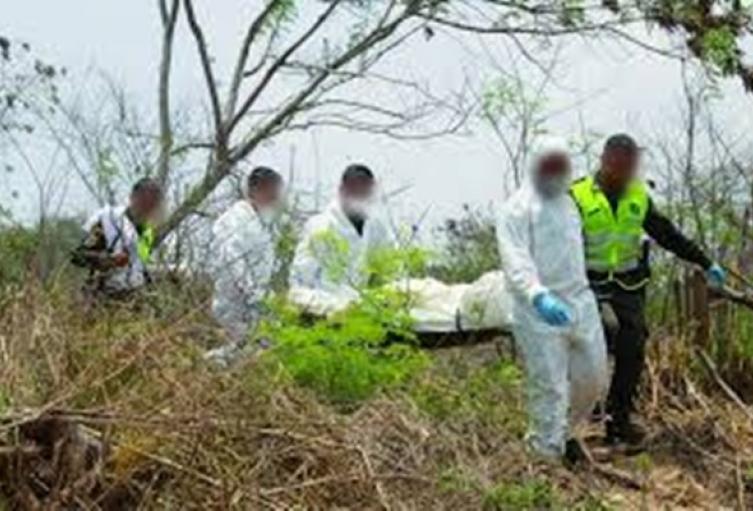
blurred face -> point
(618, 168)
(357, 196)
(146, 205)
(553, 174)
(267, 195)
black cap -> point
(357, 171)
(622, 141)
(262, 175)
(147, 185)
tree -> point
(27, 84)
(356, 36)
(24, 82)
(303, 65)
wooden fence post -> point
(699, 310)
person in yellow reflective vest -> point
(118, 243)
(617, 213)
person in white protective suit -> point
(555, 317)
(331, 258)
(244, 239)
(118, 244)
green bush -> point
(347, 358)
(535, 495)
(355, 353)
(470, 248)
(18, 248)
(41, 252)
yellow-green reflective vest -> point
(613, 241)
(146, 244)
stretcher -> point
(439, 311)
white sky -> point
(617, 87)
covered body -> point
(436, 307)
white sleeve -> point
(384, 238)
(239, 257)
(514, 250)
(242, 260)
(305, 268)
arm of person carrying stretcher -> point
(669, 237)
(517, 261)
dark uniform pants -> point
(626, 339)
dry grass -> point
(116, 411)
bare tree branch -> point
(280, 62)
(206, 65)
(169, 21)
(240, 66)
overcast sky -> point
(615, 88)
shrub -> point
(470, 248)
(535, 495)
(41, 251)
(346, 358)
(18, 246)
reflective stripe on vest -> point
(146, 244)
(613, 241)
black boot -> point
(599, 413)
(625, 432)
(575, 454)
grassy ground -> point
(114, 409)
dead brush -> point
(117, 411)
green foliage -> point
(40, 252)
(333, 252)
(350, 356)
(534, 495)
(488, 395)
(458, 480)
(470, 248)
(591, 503)
(719, 47)
(18, 247)
(382, 266)
(387, 265)
(288, 236)
(537, 495)
(283, 12)
(346, 358)
(573, 13)
(505, 98)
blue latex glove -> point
(716, 276)
(552, 310)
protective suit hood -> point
(546, 147)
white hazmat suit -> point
(541, 248)
(331, 257)
(244, 265)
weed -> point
(457, 480)
(535, 495)
(489, 394)
(347, 358)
